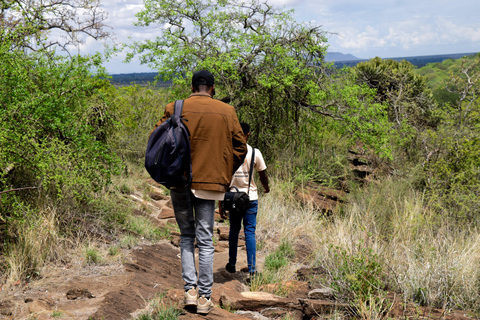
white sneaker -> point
(191, 297)
(204, 305)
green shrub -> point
(92, 255)
(280, 257)
(56, 124)
(358, 275)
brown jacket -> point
(216, 139)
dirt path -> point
(111, 291)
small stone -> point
(73, 294)
(321, 294)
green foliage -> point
(27, 24)
(266, 65)
(262, 59)
(92, 255)
(137, 109)
(452, 172)
(56, 126)
(280, 257)
(439, 74)
(358, 275)
(410, 101)
(160, 310)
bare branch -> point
(18, 189)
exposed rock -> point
(223, 232)
(157, 196)
(312, 308)
(251, 315)
(218, 217)
(303, 248)
(237, 286)
(254, 301)
(308, 274)
(6, 308)
(321, 294)
(40, 305)
(166, 213)
(175, 241)
(297, 288)
(277, 313)
(171, 221)
(73, 294)
(320, 198)
(214, 314)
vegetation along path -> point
(152, 275)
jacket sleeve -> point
(166, 115)
(239, 145)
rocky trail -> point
(122, 291)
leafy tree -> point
(453, 150)
(28, 24)
(56, 121)
(440, 73)
(55, 127)
(465, 85)
(267, 65)
(408, 98)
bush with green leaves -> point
(280, 257)
(138, 109)
(56, 125)
(357, 275)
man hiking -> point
(218, 148)
(241, 181)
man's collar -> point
(196, 94)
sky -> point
(365, 29)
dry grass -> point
(37, 242)
(422, 255)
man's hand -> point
(264, 180)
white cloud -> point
(352, 39)
(368, 28)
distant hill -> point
(339, 59)
(418, 61)
(338, 56)
(143, 78)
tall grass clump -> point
(386, 238)
(419, 253)
(158, 309)
(37, 242)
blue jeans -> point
(249, 226)
(195, 222)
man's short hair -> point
(245, 128)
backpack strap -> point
(250, 173)
(177, 111)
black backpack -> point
(168, 158)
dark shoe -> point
(204, 305)
(230, 268)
